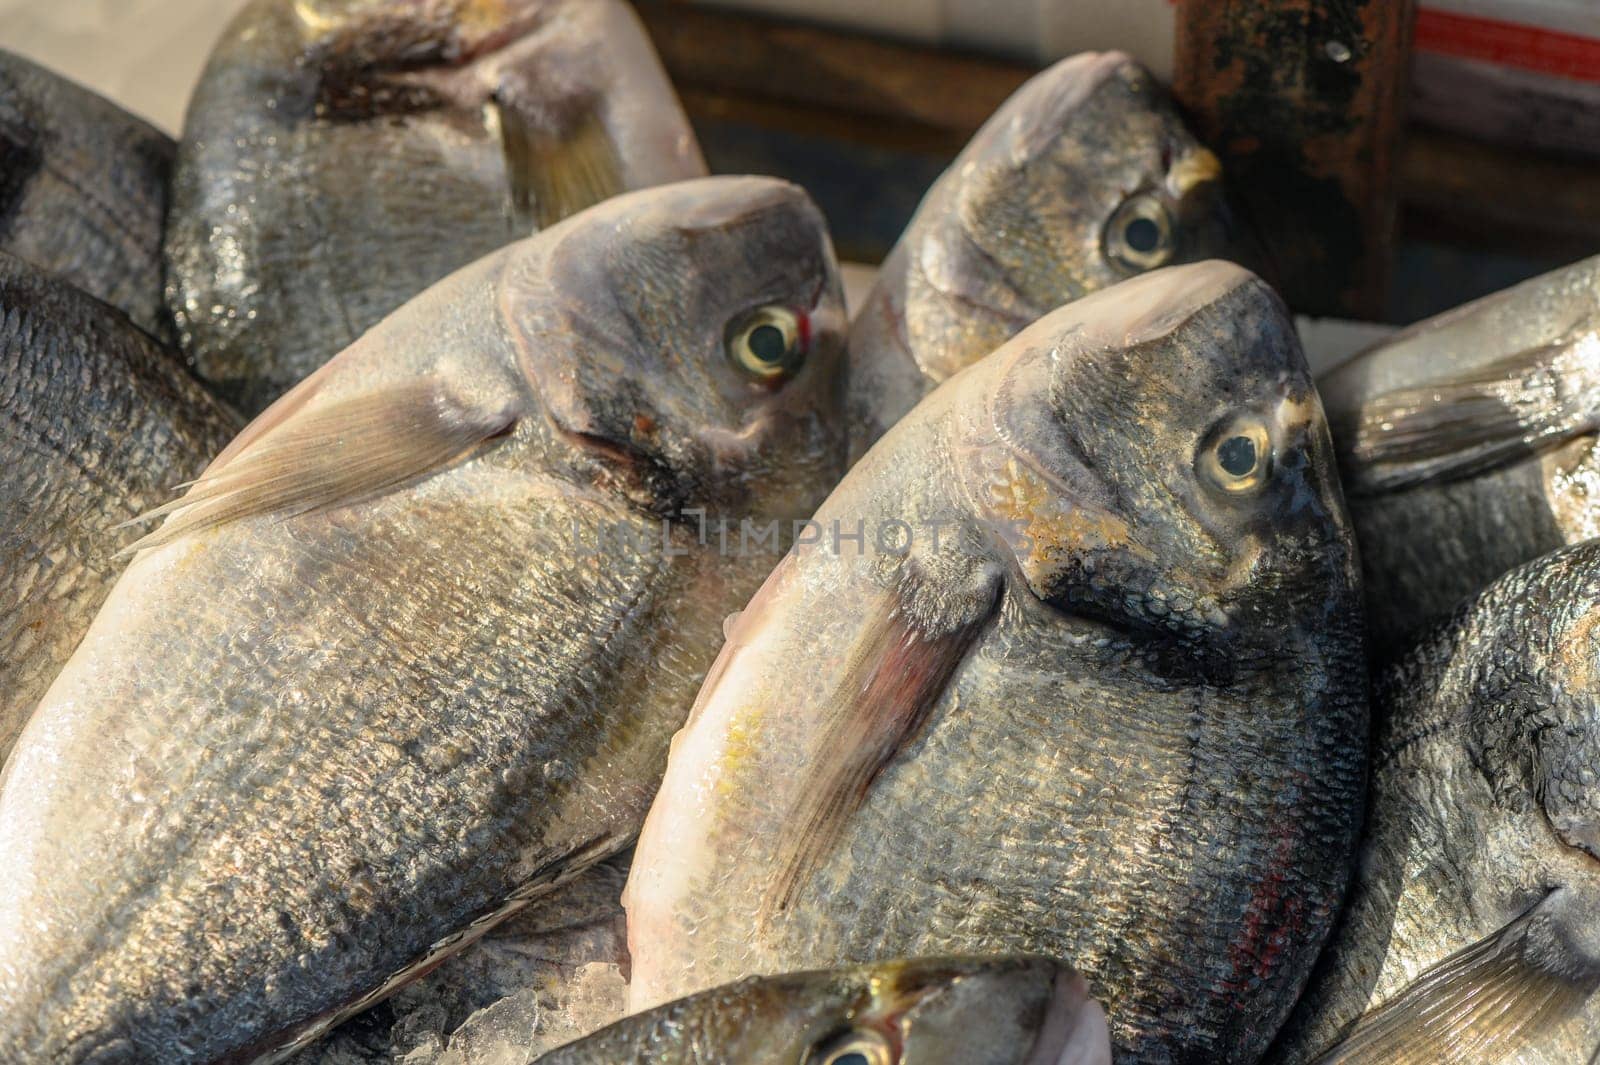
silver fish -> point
(1467, 444)
(1090, 684)
(383, 676)
(1085, 177)
(933, 1011)
(83, 190)
(1471, 932)
(339, 156)
(97, 423)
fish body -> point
(1083, 178)
(83, 190)
(998, 1011)
(339, 156)
(97, 423)
(384, 675)
(1109, 704)
(1467, 445)
(1470, 932)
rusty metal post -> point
(1302, 99)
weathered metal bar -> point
(1478, 195)
(1302, 99)
(867, 81)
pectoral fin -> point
(891, 680)
(1454, 428)
(1479, 1005)
(339, 453)
(554, 175)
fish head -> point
(1085, 177)
(563, 103)
(688, 341)
(1158, 460)
(936, 1011)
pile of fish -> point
(470, 593)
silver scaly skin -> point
(929, 1011)
(1084, 177)
(83, 190)
(1470, 935)
(383, 676)
(97, 423)
(339, 156)
(1467, 445)
(1115, 712)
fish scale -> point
(98, 423)
(84, 193)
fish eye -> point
(856, 1047)
(1140, 234)
(768, 343)
(1237, 455)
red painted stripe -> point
(1563, 55)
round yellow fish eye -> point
(856, 1047)
(1141, 235)
(1237, 456)
(768, 343)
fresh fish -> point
(386, 674)
(1090, 684)
(97, 423)
(1467, 445)
(1086, 176)
(342, 155)
(1023, 1011)
(83, 190)
(1471, 934)
(538, 980)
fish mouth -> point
(1074, 1031)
